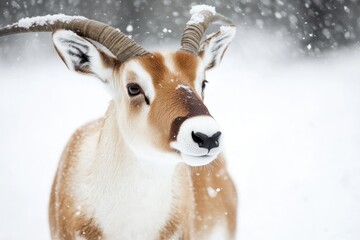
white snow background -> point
(292, 131)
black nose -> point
(204, 141)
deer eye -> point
(203, 85)
(133, 89)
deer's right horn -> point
(201, 17)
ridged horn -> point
(113, 39)
(202, 17)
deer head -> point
(158, 97)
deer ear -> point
(80, 55)
(213, 48)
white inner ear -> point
(80, 55)
(216, 45)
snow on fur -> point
(187, 88)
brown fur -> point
(65, 218)
(187, 64)
(194, 213)
(208, 211)
(197, 213)
(181, 218)
(162, 116)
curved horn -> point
(201, 17)
(117, 42)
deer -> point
(152, 167)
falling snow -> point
(129, 28)
(213, 192)
(326, 25)
(291, 123)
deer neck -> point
(140, 189)
(113, 150)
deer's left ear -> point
(80, 55)
(212, 49)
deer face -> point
(158, 97)
(162, 96)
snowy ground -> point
(292, 134)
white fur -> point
(143, 79)
(72, 62)
(214, 49)
(220, 232)
(79, 237)
(122, 191)
(191, 153)
(169, 62)
(121, 179)
(200, 77)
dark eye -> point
(203, 85)
(133, 89)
